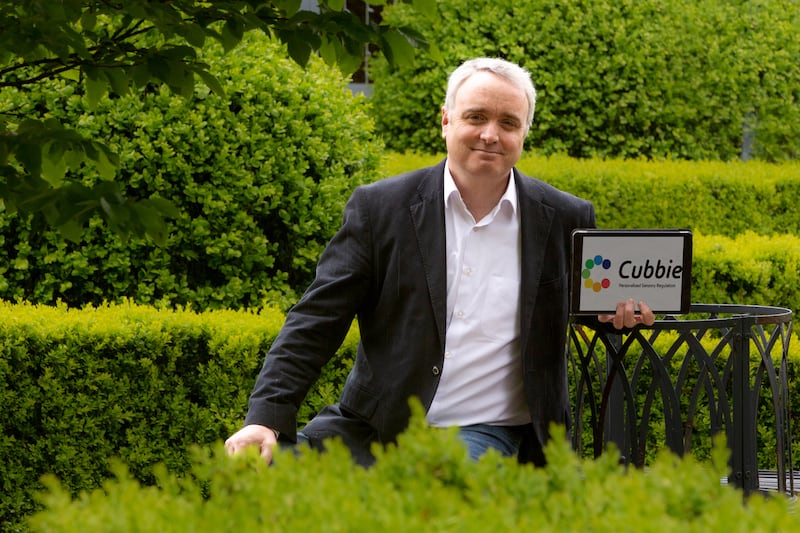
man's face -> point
(485, 130)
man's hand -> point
(626, 315)
(253, 435)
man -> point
(458, 275)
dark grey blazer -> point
(386, 266)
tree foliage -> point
(116, 48)
(660, 79)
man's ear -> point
(445, 122)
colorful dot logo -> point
(588, 281)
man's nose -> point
(489, 134)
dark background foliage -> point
(616, 78)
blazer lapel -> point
(427, 215)
(535, 221)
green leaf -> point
(335, 5)
(96, 87)
(232, 33)
(290, 7)
(398, 50)
(181, 79)
(426, 8)
(71, 75)
(212, 82)
(349, 63)
(54, 165)
(71, 230)
(112, 208)
(140, 75)
(194, 34)
(105, 165)
(119, 81)
(30, 155)
(299, 50)
(88, 21)
(159, 68)
(163, 206)
(328, 51)
(149, 219)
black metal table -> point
(691, 376)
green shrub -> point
(660, 79)
(144, 385)
(260, 177)
(425, 483)
(709, 197)
(127, 381)
(747, 269)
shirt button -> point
(467, 271)
(435, 371)
(460, 314)
(447, 355)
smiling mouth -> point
(486, 151)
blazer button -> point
(435, 370)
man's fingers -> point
(252, 435)
(266, 451)
(619, 316)
(647, 316)
(629, 314)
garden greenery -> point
(259, 177)
(675, 79)
(144, 385)
(424, 483)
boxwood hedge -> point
(259, 176)
(679, 79)
(426, 483)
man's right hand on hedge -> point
(253, 435)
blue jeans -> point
(479, 438)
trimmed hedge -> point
(677, 79)
(747, 269)
(260, 178)
(143, 385)
(127, 381)
(425, 483)
(710, 197)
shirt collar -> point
(450, 190)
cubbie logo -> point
(590, 282)
(610, 266)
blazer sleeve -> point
(316, 326)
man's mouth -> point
(486, 151)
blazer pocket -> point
(358, 400)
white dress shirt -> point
(481, 380)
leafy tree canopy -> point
(114, 47)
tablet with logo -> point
(610, 266)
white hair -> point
(512, 72)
